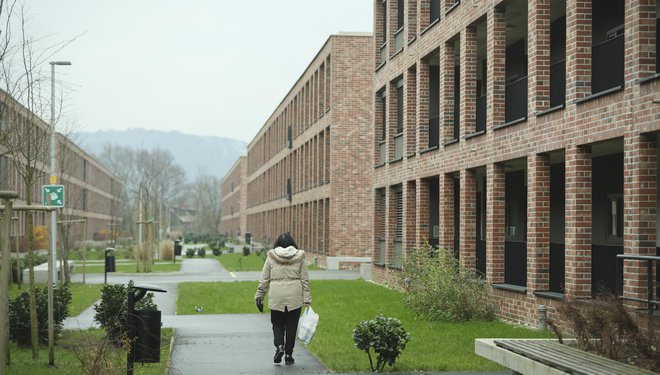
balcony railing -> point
(398, 40)
(434, 131)
(383, 53)
(558, 84)
(398, 146)
(515, 106)
(607, 65)
(383, 152)
(481, 113)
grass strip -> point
(74, 344)
(342, 304)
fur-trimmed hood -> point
(288, 255)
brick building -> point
(309, 167)
(234, 200)
(522, 135)
(92, 192)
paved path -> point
(215, 344)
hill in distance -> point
(213, 155)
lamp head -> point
(60, 63)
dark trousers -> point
(285, 323)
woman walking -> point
(285, 278)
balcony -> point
(558, 84)
(480, 121)
(515, 263)
(398, 40)
(515, 106)
(434, 131)
(607, 65)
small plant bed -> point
(343, 304)
(67, 362)
(238, 262)
(129, 267)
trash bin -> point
(147, 336)
(177, 247)
(109, 263)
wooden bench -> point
(542, 356)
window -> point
(435, 10)
(398, 230)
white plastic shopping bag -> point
(307, 325)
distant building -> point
(523, 136)
(233, 188)
(309, 169)
(92, 192)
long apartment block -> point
(309, 168)
(523, 136)
(233, 191)
(92, 192)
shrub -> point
(385, 335)
(217, 251)
(201, 252)
(439, 288)
(246, 250)
(19, 314)
(166, 250)
(190, 252)
(96, 353)
(112, 311)
(606, 327)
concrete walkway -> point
(215, 344)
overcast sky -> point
(207, 67)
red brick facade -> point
(234, 200)
(309, 169)
(548, 154)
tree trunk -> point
(34, 324)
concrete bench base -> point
(333, 262)
(41, 272)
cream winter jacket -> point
(286, 279)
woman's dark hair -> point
(285, 240)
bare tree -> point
(206, 197)
(24, 138)
(152, 180)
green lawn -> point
(82, 343)
(435, 346)
(238, 262)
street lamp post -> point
(53, 218)
(53, 177)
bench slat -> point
(567, 358)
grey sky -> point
(208, 67)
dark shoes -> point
(288, 359)
(279, 352)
